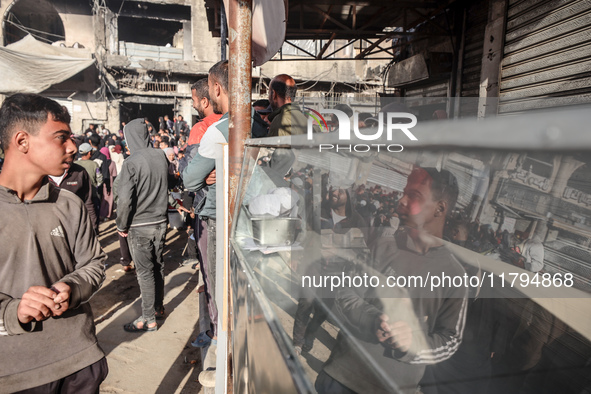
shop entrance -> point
(130, 111)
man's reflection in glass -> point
(402, 330)
(342, 229)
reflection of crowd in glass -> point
(507, 344)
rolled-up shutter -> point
(547, 55)
(439, 89)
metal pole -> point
(240, 74)
(240, 85)
(223, 30)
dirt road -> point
(149, 362)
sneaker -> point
(207, 378)
(298, 350)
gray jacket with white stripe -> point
(436, 317)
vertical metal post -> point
(223, 31)
(240, 73)
(240, 86)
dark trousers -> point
(304, 329)
(207, 244)
(124, 250)
(147, 245)
(85, 381)
(192, 252)
(325, 384)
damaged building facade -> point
(129, 59)
(146, 55)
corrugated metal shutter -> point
(476, 20)
(419, 99)
(435, 90)
(387, 178)
(466, 182)
(547, 55)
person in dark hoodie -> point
(50, 260)
(142, 217)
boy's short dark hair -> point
(28, 112)
(95, 140)
(219, 73)
(201, 88)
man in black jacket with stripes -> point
(391, 332)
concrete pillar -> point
(490, 75)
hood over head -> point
(136, 135)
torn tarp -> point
(30, 66)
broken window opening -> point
(131, 111)
(150, 32)
(36, 17)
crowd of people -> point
(52, 264)
(130, 175)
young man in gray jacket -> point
(50, 260)
(142, 214)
